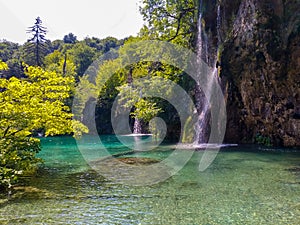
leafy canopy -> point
(27, 105)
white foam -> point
(135, 135)
(204, 146)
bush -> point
(17, 157)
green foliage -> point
(37, 43)
(8, 50)
(263, 140)
(60, 63)
(70, 38)
(103, 45)
(130, 81)
(57, 45)
(27, 105)
(15, 68)
(10, 54)
(145, 110)
(174, 21)
(17, 157)
(82, 55)
(144, 68)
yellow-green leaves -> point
(27, 105)
(3, 66)
(35, 103)
(145, 110)
(60, 63)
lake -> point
(243, 185)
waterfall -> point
(202, 101)
(137, 127)
(219, 23)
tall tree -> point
(28, 105)
(37, 43)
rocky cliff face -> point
(261, 71)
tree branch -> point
(6, 131)
(181, 15)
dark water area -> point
(243, 185)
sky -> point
(89, 18)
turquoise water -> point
(244, 185)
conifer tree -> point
(37, 43)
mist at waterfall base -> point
(244, 185)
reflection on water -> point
(240, 187)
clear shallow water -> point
(240, 187)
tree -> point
(7, 50)
(70, 39)
(82, 55)
(10, 54)
(60, 63)
(3, 66)
(28, 105)
(57, 45)
(120, 81)
(174, 21)
(37, 44)
(15, 68)
(103, 45)
(94, 43)
(109, 43)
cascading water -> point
(219, 23)
(137, 126)
(209, 57)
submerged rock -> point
(138, 161)
(31, 192)
(132, 170)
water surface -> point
(244, 185)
